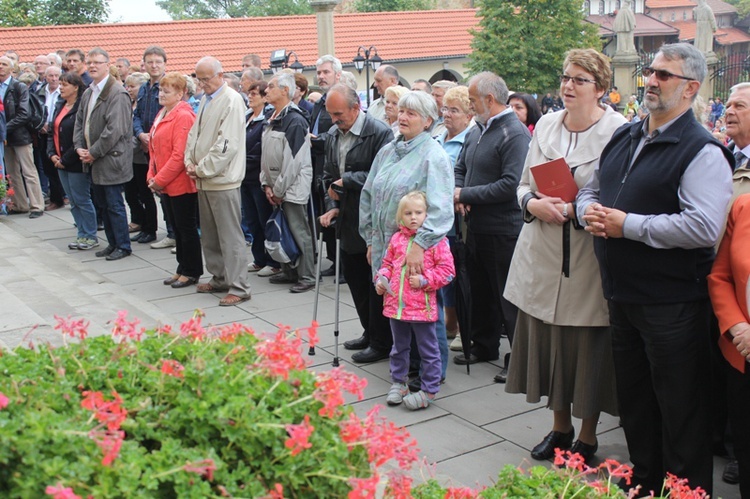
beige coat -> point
(536, 283)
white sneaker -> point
(167, 242)
(397, 393)
(268, 271)
(456, 344)
(174, 250)
(419, 400)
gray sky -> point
(131, 11)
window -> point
(601, 7)
(673, 16)
(684, 15)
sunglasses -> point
(662, 75)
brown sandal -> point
(231, 300)
(207, 288)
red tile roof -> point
(723, 36)
(644, 26)
(398, 36)
(718, 6)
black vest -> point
(633, 272)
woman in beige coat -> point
(562, 345)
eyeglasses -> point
(450, 110)
(207, 79)
(564, 79)
(95, 63)
(662, 75)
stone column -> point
(624, 65)
(324, 21)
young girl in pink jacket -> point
(411, 303)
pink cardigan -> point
(167, 151)
(409, 304)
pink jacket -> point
(409, 304)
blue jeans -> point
(255, 212)
(78, 187)
(110, 200)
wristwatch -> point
(565, 210)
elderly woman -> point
(561, 347)
(414, 161)
(392, 96)
(167, 176)
(61, 151)
(728, 287)
(457, 120)
(526, 108)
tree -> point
(52, 12)
(743, 7)
(392, 5)
(210, 9)
(525, 41)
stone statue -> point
(625, 27)
(706, 26)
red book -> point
(555, 179)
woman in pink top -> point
(167, 176)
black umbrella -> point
(462, 288)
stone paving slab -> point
(470, 432)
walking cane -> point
(336, 314)
(319, 233)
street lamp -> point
(280, 60)
(360, 62)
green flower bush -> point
(221, 412)
(190, 413)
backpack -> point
(37, 109)
(280, 242)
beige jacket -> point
(536, 283)
(216, 142)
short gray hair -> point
(390, 71)
(213, 61)
(446, 84)
(693, 61)
(347, 92)
(253, 73)
(421, 102)
(98, 51)
(348, 79)
(286, 80)
(52, 67)
(137, 78)
(58, 61)
(335, 63)
(488, 83)
(740, 86)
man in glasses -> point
(103, 135)
(656, 206)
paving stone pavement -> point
(471, 431)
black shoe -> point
(461, 359)
(147, 237)
(171, 280)
(368, 355)
(502, 376)
(184, 284)
(117, 254)
(329, 272)
(36, 214)
(359, 344)
(554, 439)
(585, 450)
(282, 279)
(415, 385)
(136, 237)
(342, 279)
(731, 472)
(105, 252)
(301, 287)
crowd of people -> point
(603, 296)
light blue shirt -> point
(4, 87)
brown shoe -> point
(207, 288)
(133, 228)
(231, 300)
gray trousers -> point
(222, 240)
(19, 165)
(296, 217)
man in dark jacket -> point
(487, 174)
(350, 147)
(19, 154)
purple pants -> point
(429, 351)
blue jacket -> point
(146, 108)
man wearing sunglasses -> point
(656, 205)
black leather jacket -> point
(375, 134)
